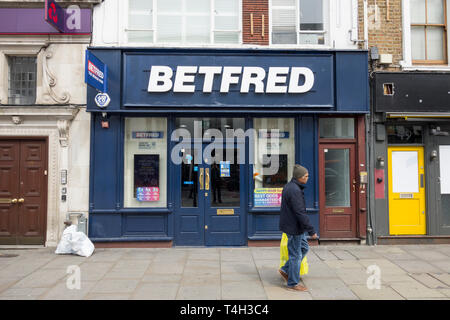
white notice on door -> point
(405, 171)
(444, 161)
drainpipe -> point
(366, 26)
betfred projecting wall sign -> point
(175, 80)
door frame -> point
(354, 191)
(44, 213)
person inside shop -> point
(295, 223)
(216, 183)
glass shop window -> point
(274, 159)
(404, 134)
(145, 167)
(337, 128)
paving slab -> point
(44, 278)
(93, 271)
(282, 293)
(442, 265)
(23, 293)
(205, 292)
(383, 293)
(443, 277)
(353, 276)
(153, 291)
(108, 296)
(429, 281)
(61, 291)
(417, 266)
(415, 290)
(324, 254)
(243, 290)
(428, 255)
(115, 286)
(162, 278)
(238, 267)
(329, 289)
(343, 255)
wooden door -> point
(337, 189)
(23, 191)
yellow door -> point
(406, 191)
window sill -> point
(409, 67)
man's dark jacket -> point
(293, 218)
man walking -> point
(295, 223)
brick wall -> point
(385, 29)
(258, 8)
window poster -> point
(146, 175)
(267, 197)
(224, 169)
(444, 160)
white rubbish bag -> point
(74, 242)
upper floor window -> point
(184, 21)
(298, 22)
(428, 31)
(22, 80)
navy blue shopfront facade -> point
(139, 192)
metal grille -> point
(22, 80)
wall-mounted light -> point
(104, 120)
(433, 155)
(380, 161)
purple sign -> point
(30, 21)
(55, 15)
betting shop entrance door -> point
(209, 195)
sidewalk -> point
(335, 272)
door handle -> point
(201, 179)
(21, 200)
(207, 179)
(14, 201)
(421, 180)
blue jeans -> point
(298, 247)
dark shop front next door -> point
(209, 196)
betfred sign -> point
(275, 80)
(96, 72)
(55, 15)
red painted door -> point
(23, 191)
(337, 188)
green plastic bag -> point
(284, 256)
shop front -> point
(411, 157)
(196, 144)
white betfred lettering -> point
(209, 73)
(228, 78)
(293, 82)
(277, 75)
(160, 79)
(255, 76)
(160, 74)
(181, 78)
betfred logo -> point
(95, 72)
